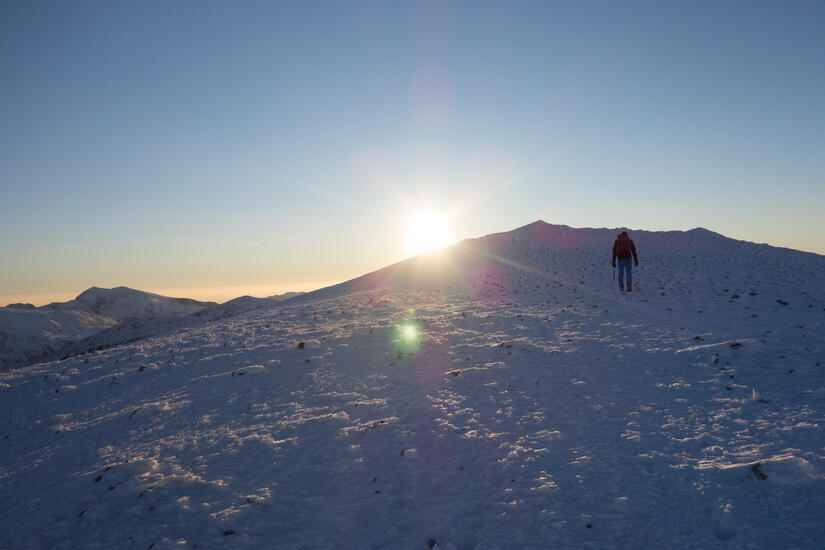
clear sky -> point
(213, 149)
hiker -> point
(623, 249)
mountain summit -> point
(498, 266)
(126, 304)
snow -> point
(126, 304)
(500, 394)
(100, 318)
(27, 334)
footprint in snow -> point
(724, 528)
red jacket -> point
(624, 248)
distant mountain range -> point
(29, 333)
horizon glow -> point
(219, 294)
(203, 145)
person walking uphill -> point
(623, 249)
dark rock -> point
(757, 471)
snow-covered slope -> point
(499, 266)
(284, 296)
(28, 333)
(126, 304)
(501, 395)
(131, 331)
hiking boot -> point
(621, 289)
(630, 288)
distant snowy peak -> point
(28, 333)
(126, 304)
(19, 305)
(105, 317)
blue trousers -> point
(625, 266)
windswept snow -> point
(101, 318)
(28, 334)
(126, 304)
(501, 394)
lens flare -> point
(408, 337)
(410, 333)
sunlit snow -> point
(502, 395)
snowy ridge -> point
(133, 331)
(101, 318)
(678, 259)
(500, 395)
(126, 304)
(28, 333)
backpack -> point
(623, 247)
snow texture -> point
(28, 333)
(100, 318)
(500, 394)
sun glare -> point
(427, 231)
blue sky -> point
(205, 148)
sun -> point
(427, 231)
